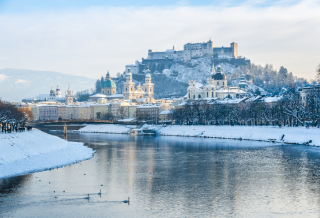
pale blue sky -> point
(88, 37)
(23, 6)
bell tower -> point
(148, 86)
(128, 87)
(69, 97)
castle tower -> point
(108, 86)
(234, 47)
(58, 91)
(69, 97)
(148, 86)
(128, 87)
(52, 96)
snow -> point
(198, 69)
(32, 151)
(254, 87)
(105, 128)
(292, 135)
(166, 112)
(287, 135)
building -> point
(134, 68)
(165, 116)
(216, 87)
(132, 93)
(100, 111)
(128, 111)
(69, 97)
(35, 113)
(108, 86)
(196, 50)
(148, 113)
(53, 96)
(48, 112)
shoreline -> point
(35, 151)
(285, 135)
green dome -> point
(108, 84)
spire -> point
(213, 70)
(108, 77)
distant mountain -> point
(16, 84)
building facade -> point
(108, 86)
(132, 93)
(196, 50)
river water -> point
(172, 177)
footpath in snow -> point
(288, 135)
(27, 152)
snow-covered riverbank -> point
(289, 135)
(27, 152)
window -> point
(199, 96)
(131, 89)
(126, 89)
(217, 83)
(108, 91)
(103, 92)
(212, 94)
(189, 95)
(222, 83)
(207, 94)
(194, 97)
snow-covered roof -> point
(231, 89)
(98, 96)
(199, 85)
(231, 101)
(148, 106)
(272, 99)
(141, 99)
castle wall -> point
(233, 61)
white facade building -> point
(145, 91)
(216, 87)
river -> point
(172, 177)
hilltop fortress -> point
(196, 50)
(158, 61)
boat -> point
(143, 132)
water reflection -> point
(179, 177)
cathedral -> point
(216, 87)
(145, 91)
(108, 86)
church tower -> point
(108, 86)
(52, 96)
(58, 91)
(148, 86)
(128, 87)
(69, 97)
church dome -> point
(108, 84)
(52, 92)
(219, 75)
(148, 75)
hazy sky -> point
(87, 39)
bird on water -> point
(127, 201)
